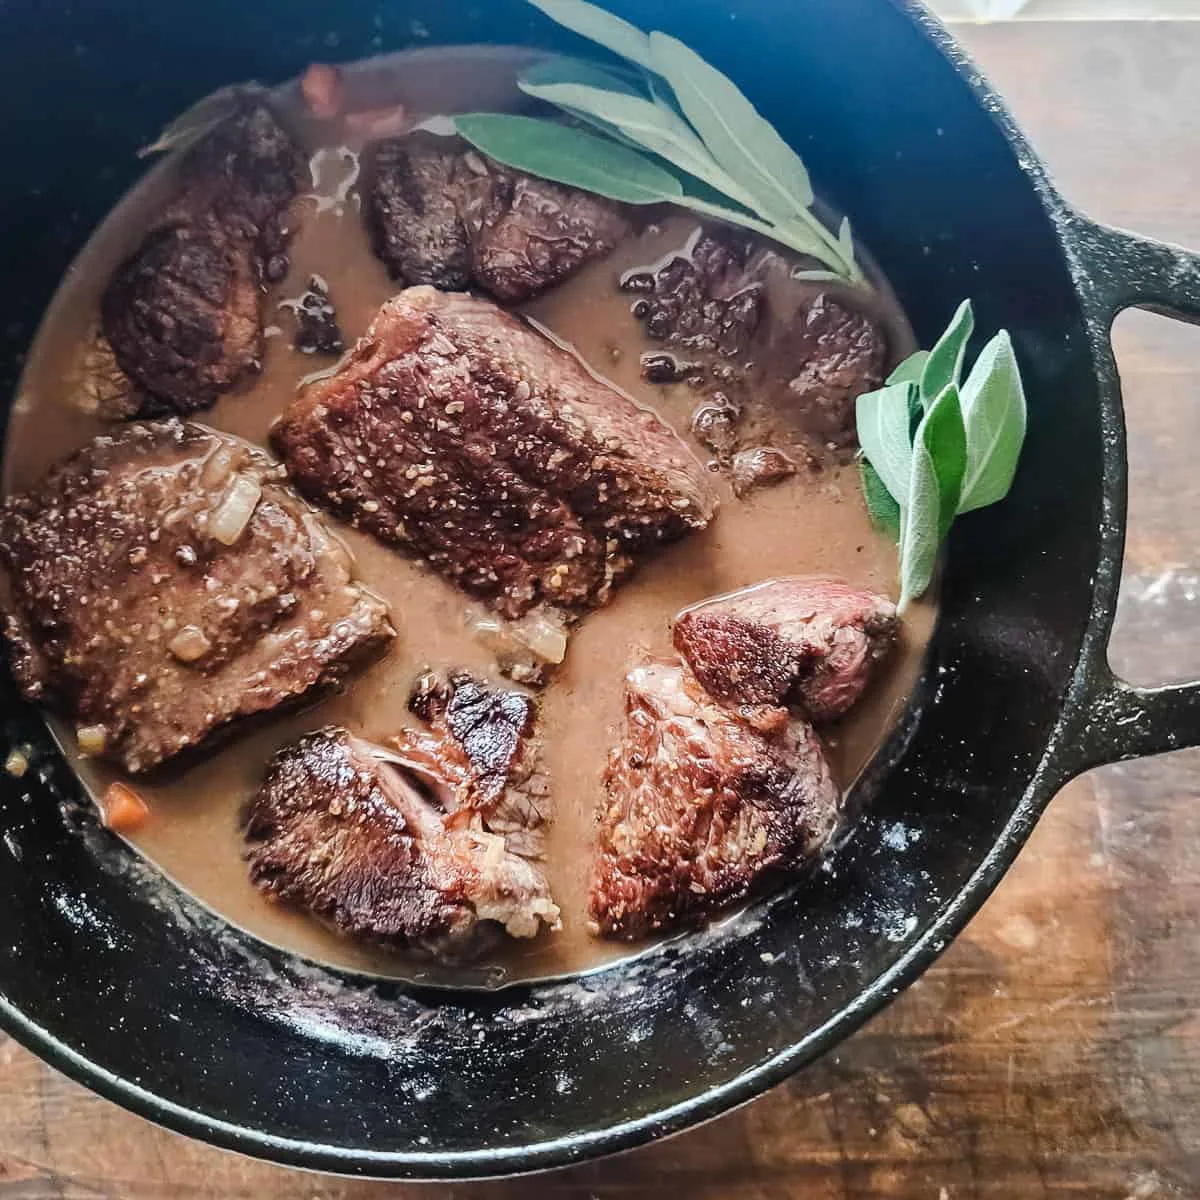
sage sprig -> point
(702, 144)
(935, 447)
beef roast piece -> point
(182, 317)
(707, 299)
(412, 208)
(700, 805)
(182, 314)
(340, 829)
(440, 213)
(459, 432)
(795, 640)
(481, 740)
(831, 354)
(165, 583)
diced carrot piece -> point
(321, 86)
(124, 810)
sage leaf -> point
(944, 364)
(745, 144)
(561, 68)
(994, 413)
(643, 122)
(819, 276)
(911, 369)
(597, 25)
(938, 463)
(881, 504)
(884, 432)
(570, 156)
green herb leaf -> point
(701, 124)
(938, 464)
(570, 156)
(944, 364)
(562, 68)
(993, 405)
(884, 432)
(910, 370)
(647, 124)
(592, 22)
(881, 505)
(739, 139)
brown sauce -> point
(813, 523)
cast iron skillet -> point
(127, 986)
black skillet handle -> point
(1128, 271)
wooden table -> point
(1055, 1049)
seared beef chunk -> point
(481, 741)
(458, 431)
(244, 174)
(760, 466)
(165, 583)
(529, 234)
(317, 330)
(354, 838)
(700, 805)
(796, 640)
(836, 353)
(412, 209)
(182, 314)
(440, 213)
(708, 299)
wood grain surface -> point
(1055, 1049)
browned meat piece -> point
(458, 431)
(182, 314)
(760, 466)
(165, 583)
(530, 234)
(700, 806)
(340, 830)
(245, 174)
(709, 299)
(412, 209)
(838, 354)
(481, 741)
(182, 317)
(796, 640)
(440, 213)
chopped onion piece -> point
(91, 739)
(233, 514)
(542, 636)
(190, 644)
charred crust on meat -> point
(481, 744)
(339, 829)
(166, 585)
(182, 313)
